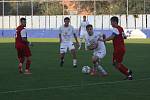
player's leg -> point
(21, 59)
(80, 41)
(62, 55)
(28, 60)
(63, 50)
(73, 52)
(123, 69)
(100, 55)
(85, 40)
(95, 65)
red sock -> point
(28, 63)
(21, 59)
(123, 69)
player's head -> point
(89, 29)
(66, 21)
(114, 21)
(23, 21)
(84, 18)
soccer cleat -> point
(61, 63)
(27, 72)
(104, 73)
(129, 77)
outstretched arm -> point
(109, 38)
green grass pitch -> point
(51, 82)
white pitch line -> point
(71, 86)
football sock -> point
(80, 43)
(74, 62)
(85, 46)
(100, 68)
(21, 60)
(28, 63)
(123, 69)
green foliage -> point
(56, 7)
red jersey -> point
(118, 41)
(19, 43)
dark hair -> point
(114, 19)
(84, 16)
(89, 25)
(21, 19)
(66, 18)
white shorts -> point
(83, 34)
(99, 54)
(64, 46)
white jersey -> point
(94, 39)
(66, 33)
(83, 25)
(23, 33)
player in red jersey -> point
(118, 37)
(22, 46)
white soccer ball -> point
(86, 69)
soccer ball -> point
(86, 69)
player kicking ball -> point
(99, 50)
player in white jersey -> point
(65, 36)
(98, 47)
(83, 32)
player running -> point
(65, 34)
(83, 32)
(94, 43)
(119, 47)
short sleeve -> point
(115, 31)
(23, 33)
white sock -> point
(100, 68)
(85, 46)
(80, 42)
(74, 62)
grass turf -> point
(51, 82)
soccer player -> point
(22, 47)
(94, 43)
(118, 37)
(66, 32)
(83, 32)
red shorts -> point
(118, 56)
(23, 52)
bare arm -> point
(79, 30)
(75, 37)
(109, 38)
